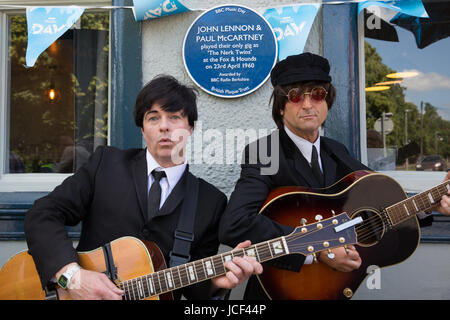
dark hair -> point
(279, 97)
(170, 94)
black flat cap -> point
(301, 67)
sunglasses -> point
(296, 95)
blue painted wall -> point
(340, 41)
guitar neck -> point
(408, 208)
(193, 272)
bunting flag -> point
(151, 9)
(291, 25)
(409, 7)
(45, 25)
(427, 30)
(378, 27)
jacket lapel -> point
(139, 172)
(329, 166)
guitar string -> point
(135, 287)
(367, 232)
(147, 294)
(396, 212)
(422, 198)
(265, 251)
(421, 202)
(384, 219)
(184, 278)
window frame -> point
(32, 182)
(125, 81)
(411, 181)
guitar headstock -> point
(325, 234)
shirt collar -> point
(173, 174)
(303, 145)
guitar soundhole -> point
(371, 230)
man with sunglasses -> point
(302, 96)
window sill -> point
(31, 182)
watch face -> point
(62, 281)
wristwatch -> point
(66, 277)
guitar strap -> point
(184, 234)
(111, 269)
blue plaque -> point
(229, 51)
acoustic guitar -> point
(388, 235)
(141, 269)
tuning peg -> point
(303, 221)
(333, 213)
(315, 257)
(330, 254)
(318, 217)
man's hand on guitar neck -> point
(91, 285)
(240, 269)
(344, 260)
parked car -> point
(433, 162)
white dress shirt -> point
(305, 146)
(167, 183)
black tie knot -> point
(158, 175)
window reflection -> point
(407, 100)
(58, 109)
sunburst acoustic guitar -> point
(388, 235)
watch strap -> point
(65, 279)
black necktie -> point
(154, 195)
(315, 166)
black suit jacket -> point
(241, 219)
(109, 195)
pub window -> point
(405, 103)
(56, 111)
(407, 91)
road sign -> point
(388, 125)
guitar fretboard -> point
(184, 275)
(415, 204)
